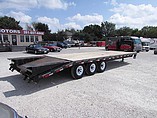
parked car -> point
(52, 47)
(36, 48)
(8, 112)
(69, 43)
(62, 45)
(155, 51)
(5, 46)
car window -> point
(51, 45)
(31, 46)
(37, 46)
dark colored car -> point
(8, 112)
(36, 49)
(69, 43)
(5, 46)
(62, 45)
(52, 47)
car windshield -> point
(51, 44)
(37, 46)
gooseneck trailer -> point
(37, 67)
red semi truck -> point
(124, 43)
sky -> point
(68, 14)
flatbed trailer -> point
(37, 67)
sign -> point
(24, 32)
(27, 32)
(9, 31)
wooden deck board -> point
(90, 55)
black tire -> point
(91, 68)
(10, 49)
(101, 66)
(27, 51)
(77, 71)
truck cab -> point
(145, 44)
(124, 43)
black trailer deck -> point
(38, 67)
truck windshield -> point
(137, 41)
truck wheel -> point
(91, 68)
(77, 71)
(101, 66)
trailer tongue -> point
(38, 67)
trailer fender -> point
(77, 71)
(101, 66)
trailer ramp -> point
(36, 66)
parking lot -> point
(125, 89)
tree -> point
(44, 28)
(93, 31)
(149, 31)
(136, 32)
(9, 23)
(61, 35)
(41, 27)
(124, 31)
(108, 29)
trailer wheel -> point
(77, 71)
(101, 66)
(91, 68)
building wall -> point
(20, 37)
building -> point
(20, 37)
